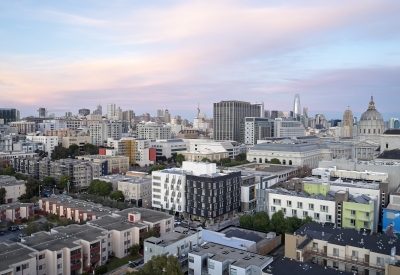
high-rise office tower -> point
(42, 112)
(167, 116)
(110, 110)
(305, 112)
(347, 123)
(229, 114)
(128, 115)
(160, 113)
(393, 123)
(83, 112)
(9, 115)
(296, 106)
(98, 111)
(274, 114)
(118, 113)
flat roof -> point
(115, 223)
(269, 168)
(240, 258)
(13, 254)
(286, 266)
(171, 238)
(349, 237)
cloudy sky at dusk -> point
(148, 55)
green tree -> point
(32, 227)
(161, 264)
(134, 249)
(64, 179)
(117, 195)
(59, 152)
(151, 233)
(41, 154)
(293, 223)
(90, 149)
(49, 181)
(241, 157)
(73, 148)
(9, 171)
(47, 226)
(306, 220)
(100, 188)
(246, 220)
(275, 161)
(3, 195)
(261, 221)
(31, 190)
(19, 176)
(278, 222)
(224, 161)
(156, 167)
(205, 160)
(180, 158)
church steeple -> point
(371, 105)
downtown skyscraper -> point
(229, 114)
(296, 106)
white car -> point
(21, 227)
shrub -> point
(101, 270)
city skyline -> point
(70, 57)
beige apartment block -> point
(347, 250)
(16, 211)
(206, 153)
(78, 140)
(14, 188)
(116, 164)
(17, 259)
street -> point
(8, 235)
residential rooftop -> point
(179, 233)
(292, 147)
(240, 258)
(286, 266)
(349, 237)
(13, 254)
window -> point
(300, 205)
(379, 261)
(324, 208)
(305, 214)
(352, 222)
(277, 202)
(354, 254)
(191, 259)
(233, 271)
(43, 266)
(311, 206)
(353, 212)
(59, 256)
(284, 210)
(316, 216)
(289, 203)
(294, 212)
(42, 256)
(273, 209)
(210, 265)
(335, 265)
(328, 218)
(315, 246)
(336, 252)
(59, 266)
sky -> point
(149, 55)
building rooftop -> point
(115, 222)
(13, 254)
(268, 168)
(349, 237)
(392, 132)
(239, 257)
(390, 154)
(286, 266)
(9, 181)
(147, 215)
(297, 147)
(179, 233)
(14, 205)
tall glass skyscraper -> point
(296, 106)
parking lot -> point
(8, 235)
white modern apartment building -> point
(49, 142)
(24, 127)
(28, 146)
(137, 190)
(232, 147)
(51, 124)
(215, 259)
(167, 147)
(153, 131)
(102, 131)
(111, 110)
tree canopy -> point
(180, 158)
(261, 221)
(117, 195)
(246, 220)
(155, 168)
(100, 187)
(241, 157)
(275, 161)
(32, 189)
(64, 179)
(49, 181)
(9, 171)
(151, 233)
(161, 264)
(2, 195)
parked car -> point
(20, 227)
(2, 232)
(12, 228)
(20, 236)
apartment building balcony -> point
(350, 260)
(76, 256)
(95, 249)
(76, 266)
(95, 258)
(142, 234)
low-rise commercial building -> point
(204, 154)
(78, 140)
(115, 164)
(24, 127)
(169, 147)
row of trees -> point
(278, 223)
(160, 264)
(73, 150)
(104, 201)
(100, 188)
